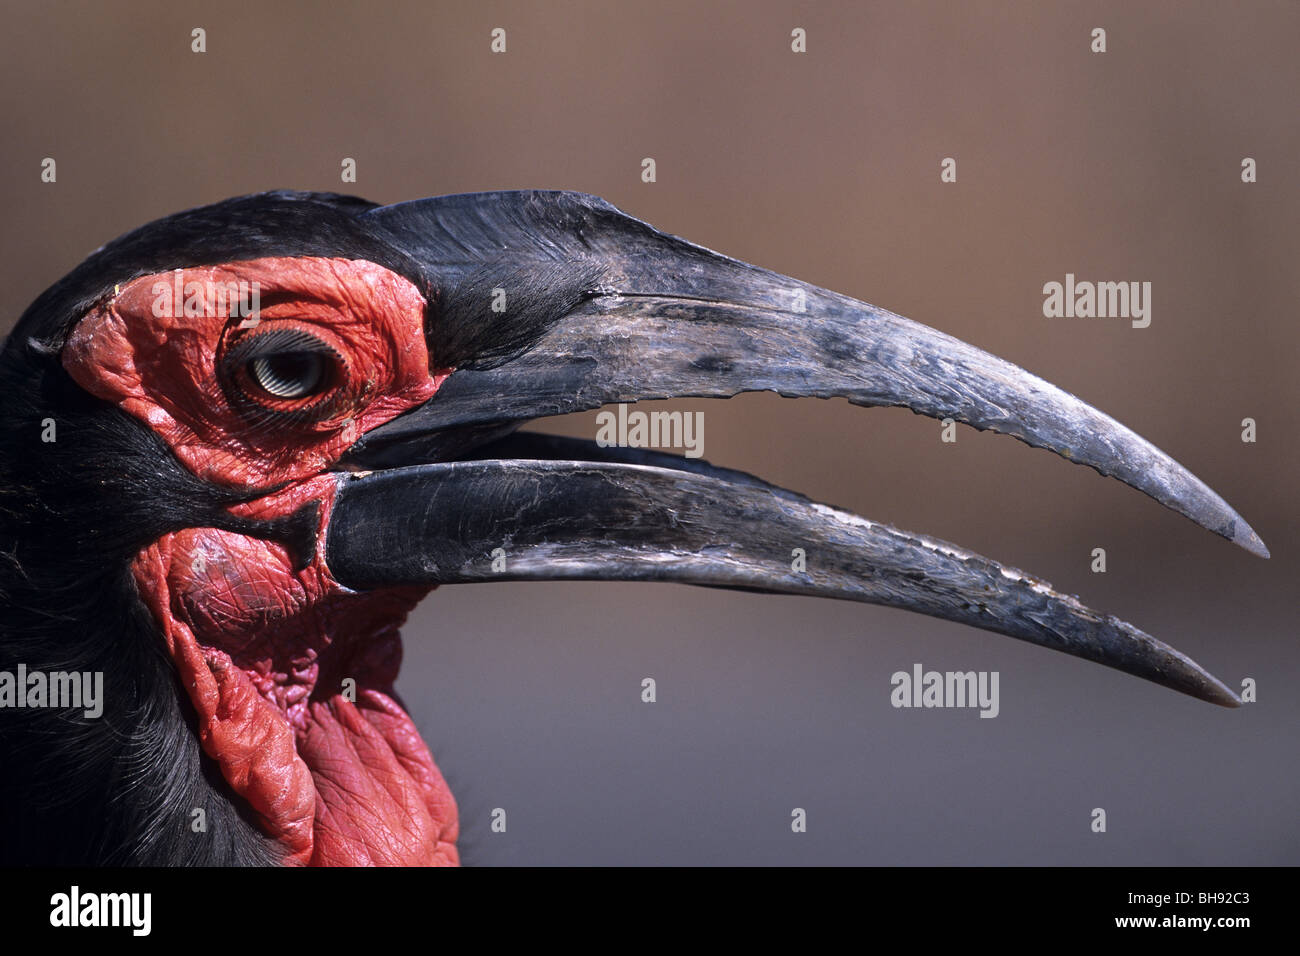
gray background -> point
(825, 166)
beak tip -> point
(1224, 697)
(1212, 690)
(1249, 540)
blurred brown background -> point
(825, 166)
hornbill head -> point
(230, 511)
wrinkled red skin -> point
(291, 674)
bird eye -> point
(289, 374)
(282, 370)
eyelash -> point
(261, 404)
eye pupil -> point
(288, 374)
(285, 371)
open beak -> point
(547, 303)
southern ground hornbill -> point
(240, 443)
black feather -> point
(124, 787)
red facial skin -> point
(291, 674)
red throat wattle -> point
(290, 673)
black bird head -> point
(241, 442)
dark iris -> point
(284, 371)
(288, 374)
